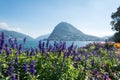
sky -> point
(39, 17)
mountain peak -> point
(66, 31)
(64, 25)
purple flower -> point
(55, 43)
(16, 60)
(43, 44)
(19, 52)
(67, 54)
(32, 53)
(111, 55)
(11, 43)
(40, 45)
(11, 68)
(32, 64)
(17, 47)
(13, 77)
(2, 63)
(27, 51)
(7, 51)
(2, 35)
(24, 40)
(70, 48)
(64, 46)
(15, 41)
(32, 67)
(91, 78)
(50, 48)
(20, 47)
(32, 71)
(47, 43)
(79, 59)
(25, 66)
(0, 51)
(119, 57)
(2, 40)
(43, 50)
(105, 76)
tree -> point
(116, 24)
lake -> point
(33, 44)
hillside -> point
(12, 34)
(42, 37)
(67, 32)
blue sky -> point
(39, 17)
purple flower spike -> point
(79, 59)
(7, 51)
(32, 64)
(91, 78)
(25, 66)
(32, 71)
(2, 34)
(16, 60)
(105, 76)
(20, 47)
(32, 67)
(13, 77)
(15, 41)
(119, 57)
(40, 45)
(24, 40)
(32, 53)
(11, 68)
(50, 48)
(0, 51)
(64, 46)
(47, 44)
(43, 44)
(2, 40)
(11, 43)
(27, 51)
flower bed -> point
(57, 62)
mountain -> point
(67, 32)
(106, 37)
(12, 34)
(42, 37)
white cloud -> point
(4, 25)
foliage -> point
(58, 62)
(116, 24)
(116, 20)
